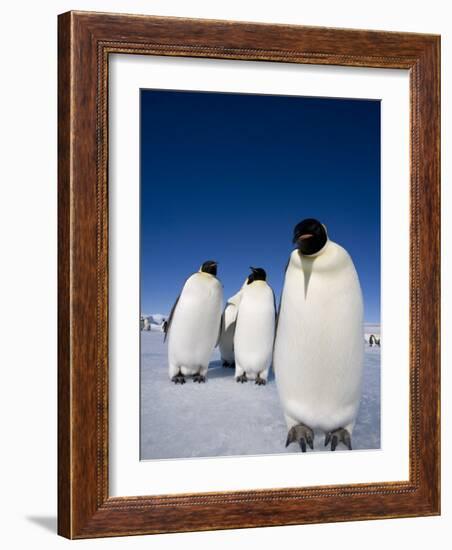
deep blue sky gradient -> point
(227, 176)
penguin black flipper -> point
(220, 330)
(274, 305)
(277, 312)
(170, 318)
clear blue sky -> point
(227, 176)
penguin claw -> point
(341, 435)
(303, 434)
(347, 440)
(334, 442)
(260, 381)
(178, 379)
(242, 378)
(199, 378)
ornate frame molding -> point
(85, 42)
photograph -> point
(260, 260)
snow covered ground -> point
(224, 418)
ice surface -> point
(224, 418)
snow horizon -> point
(154, 315)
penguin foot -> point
(303, 434)
(242, 378)
(178, 379)
(336, 436)
(199, 378)
(260, 381)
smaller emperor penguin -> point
(255, 329)
(228, 320)
(319, 343)
(193, 326)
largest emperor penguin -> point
(319, 349)
(194, 324)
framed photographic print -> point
(248, 275)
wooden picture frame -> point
(85, 42)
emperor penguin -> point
(228, 320)
(319, 343)
(194, 324)
(255, 329)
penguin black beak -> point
(304, 237)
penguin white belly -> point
(227, 333)
(255, 331)
(195, 325)
(319, 346)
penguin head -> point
(309, 236)
(257, 274)
(209, 267)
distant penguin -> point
(228, 320)
(319, 344)
(255, 329)
(194, 324)
(372, 340)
